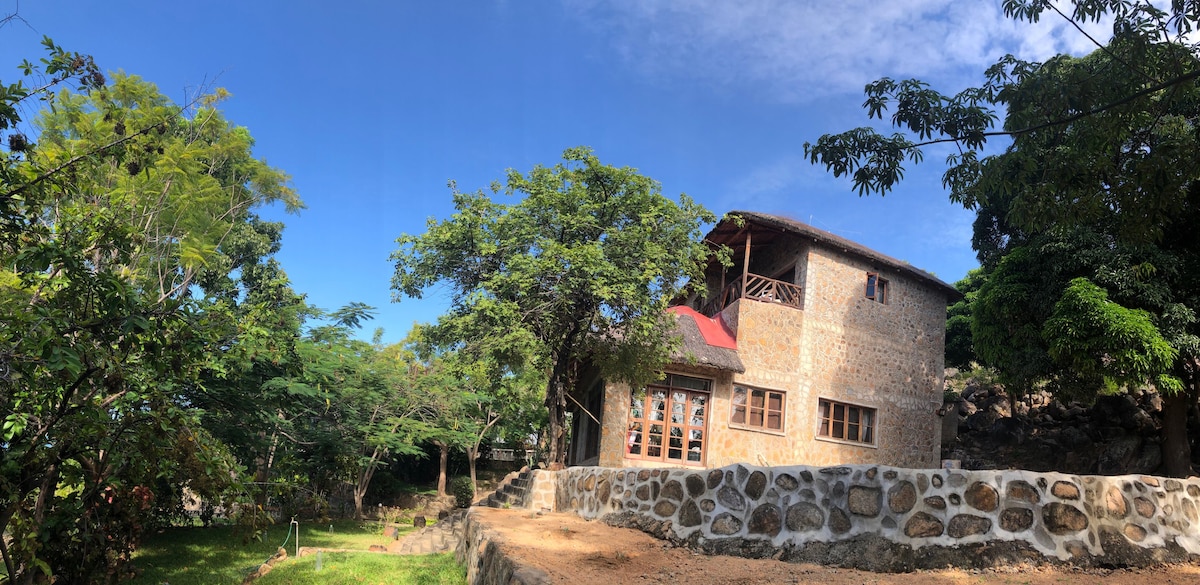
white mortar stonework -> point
(1063, 517)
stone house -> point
(811, 349)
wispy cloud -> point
(794, 51)
(772, 185)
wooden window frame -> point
(878, 288)
(749, 413)
(848, 423)
(692, 438)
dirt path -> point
(573, 550)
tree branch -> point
(1101, 46)
(1097, 110)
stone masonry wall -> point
(889, 518)
(543, 490)
(614, 425)
(884, 356)
(841, 346)
(769, 340)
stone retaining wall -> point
(885, 518)
(542, 490)
(486, 563)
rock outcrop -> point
(990, 429)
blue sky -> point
(372, 107)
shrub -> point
(464, 492)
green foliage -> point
(960, 349)
(105, 225)
(1125, 115)
(1101, 183)
(582, 266)
(1097, 339)
(485, 388)
(1007, 317)
(463, 490)
(361, 403)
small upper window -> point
(877, 288)
(762, 409)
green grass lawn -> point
(217, 555)
(368, 569)
(344, 534)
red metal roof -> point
(713, 329)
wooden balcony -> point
(757, 288)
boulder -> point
(998, 405)
(982, 420)
(1011, 430)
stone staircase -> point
(439, 538)
(514, 491)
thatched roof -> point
(717, 350)
(765, 229)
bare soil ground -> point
(573, 550)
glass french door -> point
(669, 421)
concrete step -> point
(513, 491)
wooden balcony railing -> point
(758, 288)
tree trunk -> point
(46, 495)
(10, 569)
(473, 450)
(364, 481)
(472, 453)
(562, 380)
(262, 471)
(360, 490)
(358, 499)
(553, 425)
(1176, 450)
(556, 406)
(443, 461)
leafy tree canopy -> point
(580, 267)
(1085, 224)
(1115, 122)
(960, 349)
(107, 221)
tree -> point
(580, 268)
(491, 398)
(1085, 316)
(1100, 182)
(491, 376)
(960, 348)
(245, 394)
(453, 425)
(105, 223)
(369, 398)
